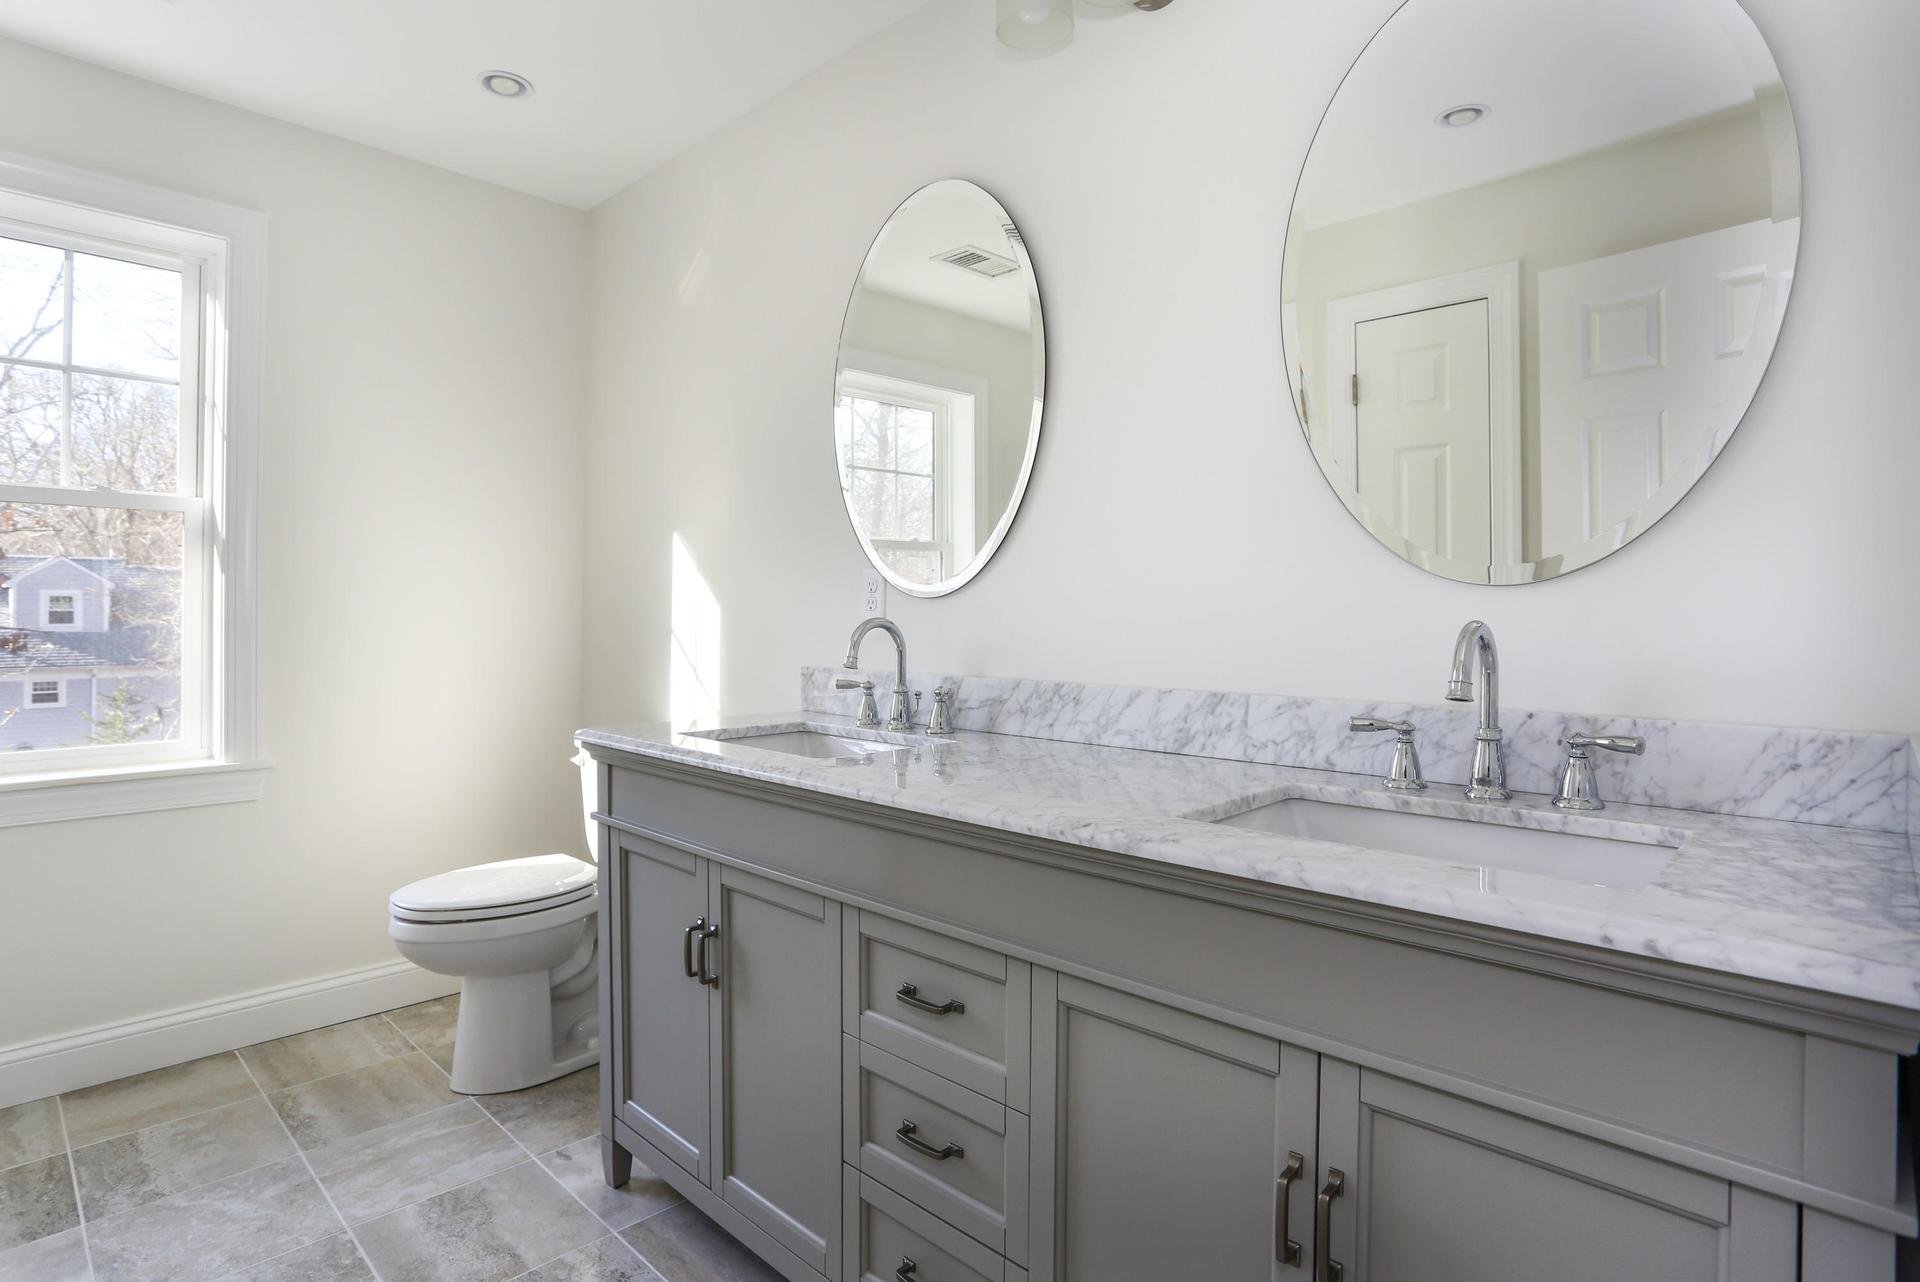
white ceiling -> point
(904, 262)
(1561, 80)
(620, 85)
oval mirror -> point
(1535, 268)
(938, 393)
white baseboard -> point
(32, 1070)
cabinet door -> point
(661, 1072)
(1161, 1142)
(776, 1062)
(1439, 1189)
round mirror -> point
(937, 398)
(1535, 268)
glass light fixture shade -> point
(1035, 26)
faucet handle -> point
(1579, 790)
(869, 711)
(941, 722)
(1630, 744)
(848, 683)
(1404, 774)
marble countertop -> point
(1830, 909)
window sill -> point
(39, 799)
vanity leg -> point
(616, 1163)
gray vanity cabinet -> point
(1440, 1189)
(1163, 1141)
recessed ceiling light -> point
(504, 84)
(1469, 113)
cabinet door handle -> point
(906, 1270)
(1325, 1268)
(910, 994)
(907, 1134)
(686, 946)
(1285, 1250)
(710, 931)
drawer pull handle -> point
(906, 1270)
(686, 946)
(908, 1135)
(910, 994)
(708, 931)
(1285, 1250)
(1325, 1268)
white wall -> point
(1177, 531)
(421, 455)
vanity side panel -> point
(1542, 1043)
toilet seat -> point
(539, 884)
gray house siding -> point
(30, 591)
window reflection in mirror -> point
(939, 390)
(1535, 268)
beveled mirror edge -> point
(1601, 546)
(1004, 525)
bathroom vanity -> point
(902, 1009)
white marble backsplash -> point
(1857, 780)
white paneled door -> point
(1422, 428)
(1644, 355)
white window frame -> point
(219, 758)
(46, 612)
(59, 685)
(957, 412)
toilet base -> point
(524, 1035)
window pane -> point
(29, 425)
(121, 663)
(913, 440)
(126, 434)
(126, 316)
(32, 302)
(915, 565)
(871, 494)
(872, 444)
(914, 516)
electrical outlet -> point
(873, 594)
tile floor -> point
(337, 1155)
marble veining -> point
(1857, 780)
(1828, 908)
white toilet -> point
(520, 934)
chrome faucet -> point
(1489, 761)
(900, 715)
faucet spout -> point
(1475, 646)
(900, 717)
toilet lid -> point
(537, 878)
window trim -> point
(958, 403)
(59, 685)
(231, 244)
(46, 612)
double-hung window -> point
(127, 388)
(907, 469)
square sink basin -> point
(1617, 862)
(811, 743)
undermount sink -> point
(811, 743)
(1601, 861)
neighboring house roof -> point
(140, 593)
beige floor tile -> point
(29, 1132)
(331, 1259)
(129, 1171)
(430, 1026)
(352, 1102)
(608, 1260)
(487, 1231)
(60, 1258)
(324, 1052)
(546, 1116)
(578, 1167)
(36, 1201)
(164, 1095)
(686, 1246)
(214, 1230)
(408, 1161)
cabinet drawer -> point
(980, 1186)
(889, 1239)
(958, 1009)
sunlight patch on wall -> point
(693, 690)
